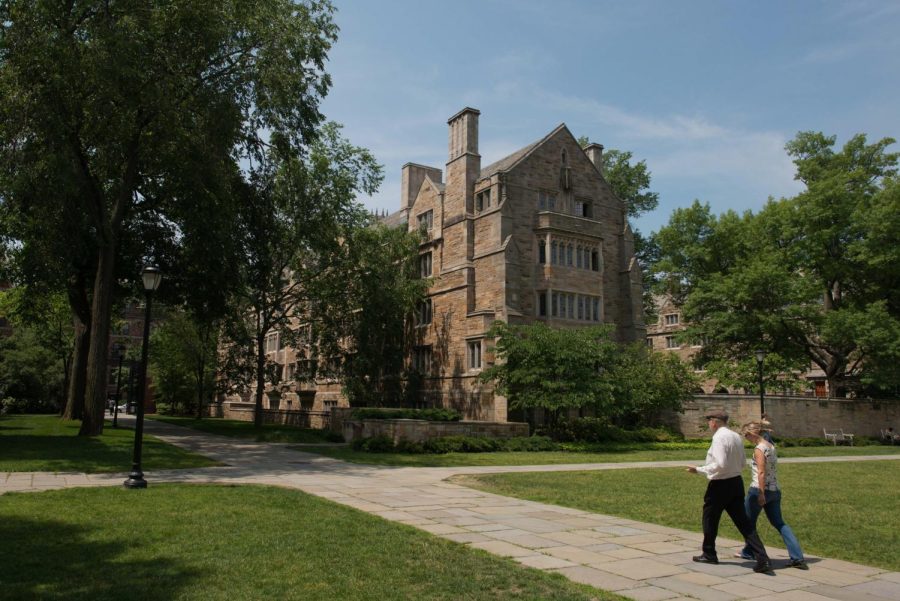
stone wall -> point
(791, 416)
(299, 418)
(417, 430)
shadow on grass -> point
(45, 559)
(65, 452)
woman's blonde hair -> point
(756, 427)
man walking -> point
(725, 492)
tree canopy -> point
(134, 115)
(573, 368)
(813, 278)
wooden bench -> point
(837, 436)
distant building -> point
(663, 336)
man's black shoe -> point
(762, 567)
(706, 559)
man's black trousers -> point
(728, 495)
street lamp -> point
(760, 357)
(151, 277)
(120, 354)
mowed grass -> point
(46, 443)
(696, 452)
(246, 430)
(840, 510)
(241, 542)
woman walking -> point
(764, 493)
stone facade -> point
(662, 336)
(536, 236)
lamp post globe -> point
(760, 357)
(151, 277)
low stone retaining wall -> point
(791, 417)
(419, 430)
(300, 418)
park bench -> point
(890, 436)
(837, 436)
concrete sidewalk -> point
(637, 560)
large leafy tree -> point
(561, 369)
(539, 367)
(127, 104)
(183, 355)
(812, 278)
(35, 360)
(382, 287)
(297, 215)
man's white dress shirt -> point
(725, 457)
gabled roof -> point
(508, 162)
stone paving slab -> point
(645, 562)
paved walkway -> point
(637, 560)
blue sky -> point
(707, 92)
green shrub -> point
(531, 444)
(375, 444)
(334, 437)
(10, 405)
(409, 446)
(432, 415)
(455, 444)
(802, 442)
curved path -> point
(637, 560)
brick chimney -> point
(595, 153)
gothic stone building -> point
(537, 236)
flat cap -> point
(718, 414)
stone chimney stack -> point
(463, 133)
(464, 162)
(595, 153)
(411, 180)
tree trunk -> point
(101, 307)
(260, 380)
(78, 369)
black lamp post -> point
(760, 357)
(120, 354)
(152, 277)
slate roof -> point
(507, 162)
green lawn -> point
(239, 429)
(241, 542)
(611, 453)
(46, 443)
(840, 510)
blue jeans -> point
(773, 513)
